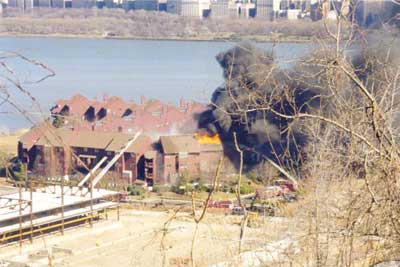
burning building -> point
(238, 115)
(191, 156)
(54, 152)
(262, 111)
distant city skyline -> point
(366, 11)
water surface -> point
(165, 70)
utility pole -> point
(62, 204)
(20, 215)
(31, 211)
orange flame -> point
(204, 138)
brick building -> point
(89, 130)
(116, 115)
(185, 155)
(55, 152)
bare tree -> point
(331, 120)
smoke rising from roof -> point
(258, 99)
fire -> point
(204, 138)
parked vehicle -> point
(282, 189)
(124, 197)
(267, 209)
(237, 210)
(223, 204)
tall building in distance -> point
(171, 6)
(29, 4)
(188, 8)
(268, 9)
(220, 8)
(247, 9)
(148, 5)
(232, 9)
(366, 12)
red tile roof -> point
(29, 139)
(179, 143)
(88, 139)
(187, 143)
(150, 115)
(77, 105)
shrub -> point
(135, 190)
(156, 189)
(182, 186)
(200, 186)
(246, 188)
(178, 189)
(253, 176)
(19, 172)
(225, 188)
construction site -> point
(58, 225)
(32, 211)
(314, 178)
(51, 204)
(57, 221)
(153, 238)
(36, 207)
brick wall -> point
(189, 164)
(169, 164)
(208, 163)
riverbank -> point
(254, 38)
(143, 25)
(257, 39)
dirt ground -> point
(144, 238)
(9, 142)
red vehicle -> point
(281, 189)
(286, 185)
(222, 204)
(123, 197)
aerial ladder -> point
(100, 175)
(92, 171)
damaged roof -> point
(179, 143)
(29, 139)
(95, 140)
(139, 146)
(188, 143)
(211, 147)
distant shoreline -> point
(254, 38)
(159, 26)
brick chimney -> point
(75, 126)
(142, 100)
(189, 106)
(164, 110)
(182, 103)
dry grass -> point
(152, 25)
(9, 142)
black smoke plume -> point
(254, 81)
(258, 100)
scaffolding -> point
(41, 207)
(44, 206)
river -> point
(165, 70)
